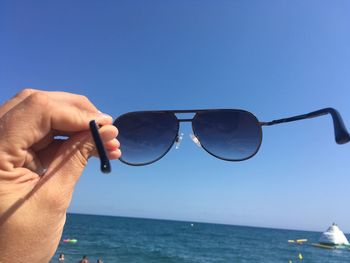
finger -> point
(64, 98)
(73, 155)
(79, 101)
(19, 97)
(114, 154)
(112, 145)
(108, 132)
(57, 184)
(108, 135)
(74, 118)
(36, 116)
(74, 99)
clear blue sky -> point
(273, 58)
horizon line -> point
(194, 221)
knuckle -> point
(84, 99)
(86, 102)
(25, 93)
(39, 99)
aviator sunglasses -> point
(227, 134)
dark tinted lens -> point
(228, 134)
(146, 136)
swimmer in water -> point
(61, 257)
(84, 260)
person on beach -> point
(38, 172)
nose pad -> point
(178, 140)
(195, 140)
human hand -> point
(38, 173)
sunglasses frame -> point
(340, 132)
(170, 146)
(179, 120)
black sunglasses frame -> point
(170, 146)
(192, 120)
(341, 134)
(105, 164)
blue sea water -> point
(120, 239)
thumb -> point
(72, 156)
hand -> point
(38, 173)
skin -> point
(38, 173)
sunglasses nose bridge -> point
(185, 116)
(193, 137)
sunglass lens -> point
(145, 137)
(232, 135)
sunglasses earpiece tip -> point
(106, 168)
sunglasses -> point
(227, 134)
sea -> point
(122, 239)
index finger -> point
(75, 99)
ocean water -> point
(120, 239)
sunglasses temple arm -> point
(104, 161)
(341, 134)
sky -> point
(273, 58)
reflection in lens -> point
(228, 134)
(146, 136)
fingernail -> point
(102, 117)
(41, 171)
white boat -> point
(334, 237)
